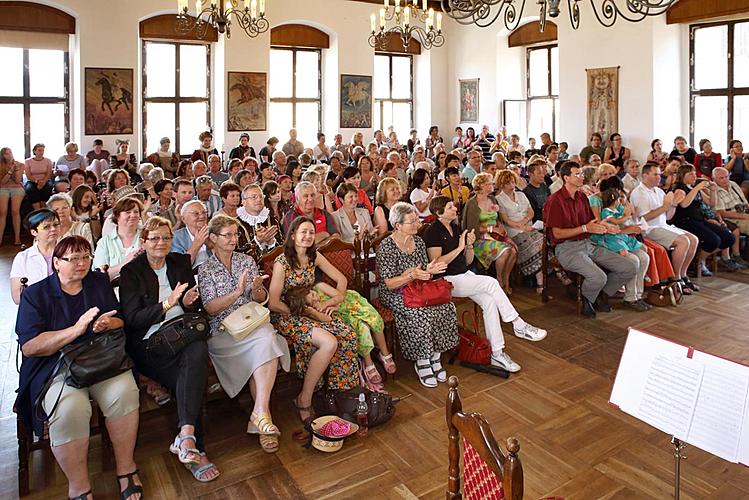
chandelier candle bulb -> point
(387, 4)
(262, 8)
(246, 5)
(372, 22)
(424, 5)
(382, 18)
(198, 7)
(253, 9)
(407, 16)
(439, 21)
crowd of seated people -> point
(178, 235)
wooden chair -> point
(346, 259)
(546, 262)
(28, 441)
(488, 473)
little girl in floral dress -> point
(355, 311)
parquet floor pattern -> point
(573, 443)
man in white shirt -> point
(653, 208)
(632, 179)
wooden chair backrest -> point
(266, 261)
(344, 257)
(476, 430)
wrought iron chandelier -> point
(405, 14)
(250, 17)
(484, 12)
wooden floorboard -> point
(573, 443)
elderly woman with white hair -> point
(146, 170)
(424, 332)
(192, 238)
(62, 205)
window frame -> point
(729, 91)
(293, 99)
(177, 99)
(409, 101)
(27, 100)
(528, 98)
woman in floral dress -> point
(319, 340)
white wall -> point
(652, 78)
(107, 36)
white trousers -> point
(486, 292)
(634, 289)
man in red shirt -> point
(304, 206)
(568, 216)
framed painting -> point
(469, 101)
(603, 101)
(356, 101)
(246, 102)
(109, 101)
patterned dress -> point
(422, 331)
(486, 248)
(359, 314)
(236, 361)
(343, 371)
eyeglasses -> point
(198, 213)
(229, 236)
(156, 239)
(47, 227)
(203, 180)
(77, 259)
(417, 221)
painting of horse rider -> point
(247, 101)
(356, 101)
(109, 101)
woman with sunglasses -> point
(156, 286)
(35, 263)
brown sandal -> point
(309, 409)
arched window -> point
(176, 85)
(34, 88)
(295, 81)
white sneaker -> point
(529, 332)
(502, 360)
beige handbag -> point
(245, 320)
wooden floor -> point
(573, 444)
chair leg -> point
(23, 457)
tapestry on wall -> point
(603, 101)
(356, 101)
(247, 101)
(469, 101)
(109, 101)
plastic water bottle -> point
(361, 416)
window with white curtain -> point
(542, 106)
(719, 83)
(176, 94)
(295, 94)
(34, 90)
(393, 94)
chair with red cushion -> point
(488, 473)
(346, 259)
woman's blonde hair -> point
(606, 168)
(153, 224)
(480, 180)
(382, 189)
(220, 221)
(504, 177)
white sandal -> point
(425, 374)
(439, 373)
(176, 448)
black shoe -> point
(636, 305)
(587, 309)
(602, 303)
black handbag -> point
(176, 334)
(380, 406)
(86, 363)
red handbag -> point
(423, 293)
(472, 348)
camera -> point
(741, 209)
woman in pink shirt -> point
(39, 177)
(11, 191)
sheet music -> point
(671, 390)
(720, 423)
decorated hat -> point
(123, 192)
(328, 432)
